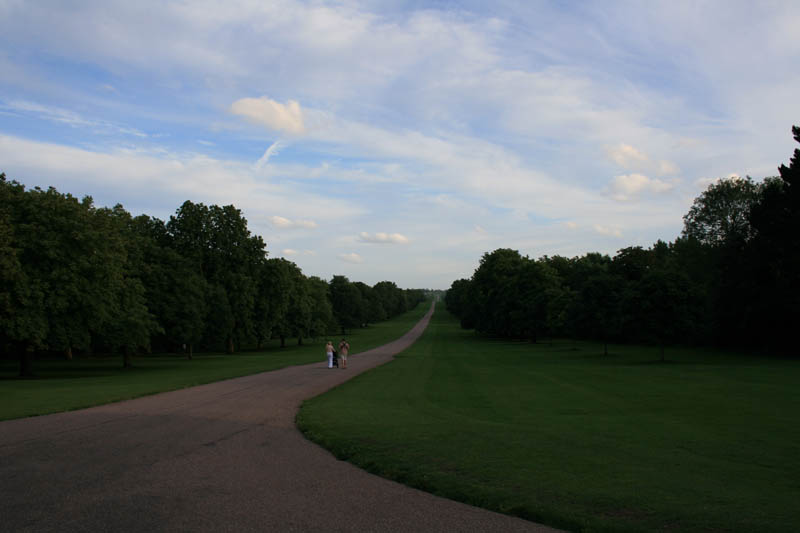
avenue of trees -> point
(732, 279)
(76, 277)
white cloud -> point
(285, 223)
(267, 112)
(352, 258)
(630, 158)
(608, 231)
(292, 252)
(666, 168)
(627, 156)
(627, 186)
(382, 238)
(705, 182)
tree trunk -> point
(230, 345)
(299, 341)
(25, 360)
(283, 341)
(126, 357)
(190, 351)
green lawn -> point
(558, 433)
(62, 385)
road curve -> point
(219, 457)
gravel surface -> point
(219, 457)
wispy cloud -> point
(269, 152)
(288, 252)
(68, 117)
(382, 238)
(352, 258)
(285, 223)
(629, 186)
(609, 231)
(630, 158)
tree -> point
(776, 254)
(272, 303)
(495, 291)
(594, 312)
(454, 297)
(296, 322)
(230, 258)
(535, 301)
(369, 303)
(391, 297)
(174, 287)
(664, 306)
(721, 214)
(129, 325)
(346, 302)
(219, 318)
(71, 258)
(23, 322)
(322, 320)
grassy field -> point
(83, 382)
(561, 434)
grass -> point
(62, 385)
(559, 433)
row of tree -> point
(77, 277)
(732, 278)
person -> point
(329, 353)
(344, 347)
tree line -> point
(731, 279)
(76, 277)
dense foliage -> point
(75, 277)
(732, 278)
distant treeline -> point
(75, 277)
(732, 279)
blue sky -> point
(402, 140)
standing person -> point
(329, 353)
(344, 347)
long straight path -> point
(219, 457)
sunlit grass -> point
(559, 433)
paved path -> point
(219, 457)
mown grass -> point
(559, 433)
(61, 385)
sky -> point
(400, 141)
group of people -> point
(340, 355)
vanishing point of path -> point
(219, 457)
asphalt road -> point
(219, 457)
